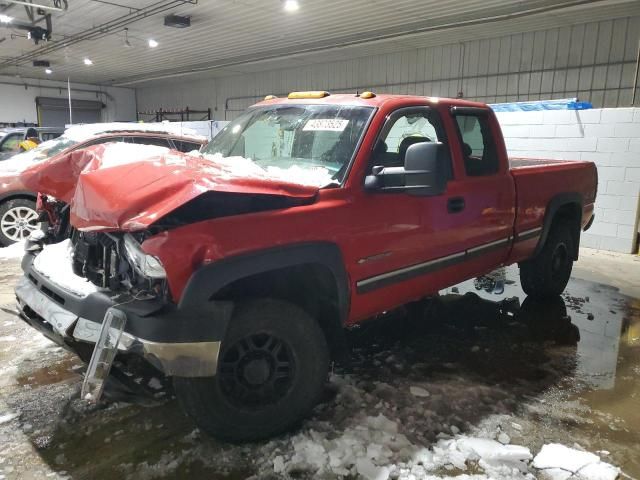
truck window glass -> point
(478, 147)
(319, 139)
(413, 127)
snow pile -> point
(375, 449)
(14, 251)
(81, 133)
(558, 462)
(245, 167)
(116, 154)
(55, 262)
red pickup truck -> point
(238, 268)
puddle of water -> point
(568, 369)
(606, 377)
(64, 370)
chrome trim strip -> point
(490, 245)
(371, 283)
(401, 271)
(528, 234)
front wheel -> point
(547, 274)
(272, 366)
(18, 218)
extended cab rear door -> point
(415, 245)
(483, 188)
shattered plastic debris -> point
(559, 463)
(55, 263)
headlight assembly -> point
(147, 265)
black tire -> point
(15, 209)
(547, 274)
(244, 401)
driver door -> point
(411, 242)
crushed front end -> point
(68, 287)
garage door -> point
(54, 112)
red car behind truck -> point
(239, 268)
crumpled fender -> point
(128, 187)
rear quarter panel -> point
(537, 183)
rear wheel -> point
(18, 218)
(547, 274)
(271, 370)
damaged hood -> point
(128, 187)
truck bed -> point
(539, 181)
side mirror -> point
(424, 172)
(425, 169)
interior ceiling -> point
(239, 36)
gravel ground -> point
(422, 386)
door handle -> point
(455, 204)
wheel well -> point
(570, 214)
(310, 286)
(18, 196)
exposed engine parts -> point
(103, 260)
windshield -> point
(315, 140)
(45, 150)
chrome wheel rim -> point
(17, 223)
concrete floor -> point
(567, 372)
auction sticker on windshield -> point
(330, 124)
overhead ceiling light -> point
(48, 71)
(6, 19)
(291, 5)
(152, 43)
(87, 61)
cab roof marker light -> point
(311, 94)
(270, 97)
(366, 95)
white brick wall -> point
(610, 137)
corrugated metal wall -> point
(593, 61)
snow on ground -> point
(14, 251)
(55, 263)
(560, 463)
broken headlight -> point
(146, 265)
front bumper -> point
(180, 343)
